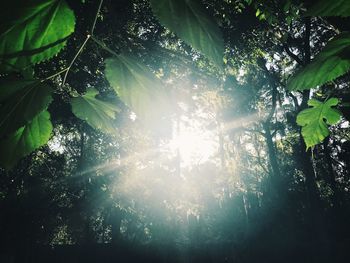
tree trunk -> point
(116, 220)
(272, 153)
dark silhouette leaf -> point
(137, 86)
(330, 8)
(190, 21)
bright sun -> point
(194, 144)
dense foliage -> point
(174, 131)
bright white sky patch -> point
(194, 143)
(55, 144)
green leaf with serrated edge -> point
(314, 120)
(97, 113)
(33, 31)
(189, 20)
(9, 87)
(332, 62)
(25, 140)
(137, 87)
(330, 8)
(20, 106)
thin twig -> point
(75, 57)
(83, 45)
(54, 75)
(295, 100)
(292, 55)
(52, 174)
(94, 24)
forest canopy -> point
(202, 131)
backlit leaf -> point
(137, 86)
(189, 20)
(314, 120)
(32, 31)
(21, 101)
(9, 87)
(332, 62)
(25, 140)
(97, 113)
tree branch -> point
(54, 75)
(94, 24)
(307, 50)
(307, 59)
(83, 45)
(75, 57)
(292, 55)
(295, 101)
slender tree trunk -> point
(116, 220)
(305, 163)
(330, 178)
(178, 153)
(305, 157)
(271, 152)
(221, 145)
(337, 197)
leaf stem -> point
(75, 57)
(83, 45)
(94, 24)
(54, 75)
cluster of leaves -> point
(144, 92)
(39, 30)
(35, 33)
(332, 62)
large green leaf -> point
(330, 8)
(97, 113)
(10, 87)
(332, 62)
(21, 101)
(32, 31)
(137, 86)
(314, 120)
(25, 140)
(190, 21)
